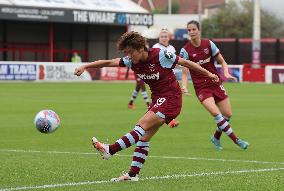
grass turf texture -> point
(100, 109)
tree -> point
(235, 21)
(175, 9)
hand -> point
(185, 91)
(79, 71)
(230, 77)
(214, 77)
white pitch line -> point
(161, 157)
(174, 176)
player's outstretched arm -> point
(97, 64)
(196, 67)
(184, 79)
(224, 65)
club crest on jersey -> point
(152, 67)
(168, 54)
(206, 50)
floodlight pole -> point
(256, 45)
(169, 7)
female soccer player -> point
(164, 44)
(154, 67)
(164, 41)
(212, 95)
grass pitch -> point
(179, 159)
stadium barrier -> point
(42, 71)
(63, 71)
(274, 74)
(268, 73)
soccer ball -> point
(46, 121)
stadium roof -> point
(112, 12)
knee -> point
(146, 138)
(227, 115)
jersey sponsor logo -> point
(149, 77)
(168, 54)
(207, 60)
(206, 50)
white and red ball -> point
(46, 121)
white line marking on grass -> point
(161, 157)
(174, 176)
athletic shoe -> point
(102, 148)
(174, 123)
(131, 106)
(216, 143)
(244, 145)
(125, 177)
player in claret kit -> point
(164, 44)
(154, 67)
(212, 95)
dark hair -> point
(132, 40)
(195, 23)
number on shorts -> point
(160, 101)
(223, 88)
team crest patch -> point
(168, 55)
(206, 50)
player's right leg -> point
(149, 121)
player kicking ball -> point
(154, 67)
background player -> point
(154, 67)
(212, 95)
(140, 85)
(164, 44)
(164, 41)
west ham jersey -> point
(156, 72)
(168, 48)
(204, 56)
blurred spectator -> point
(76, 58)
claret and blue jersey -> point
(156, 71)
(203, 55)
